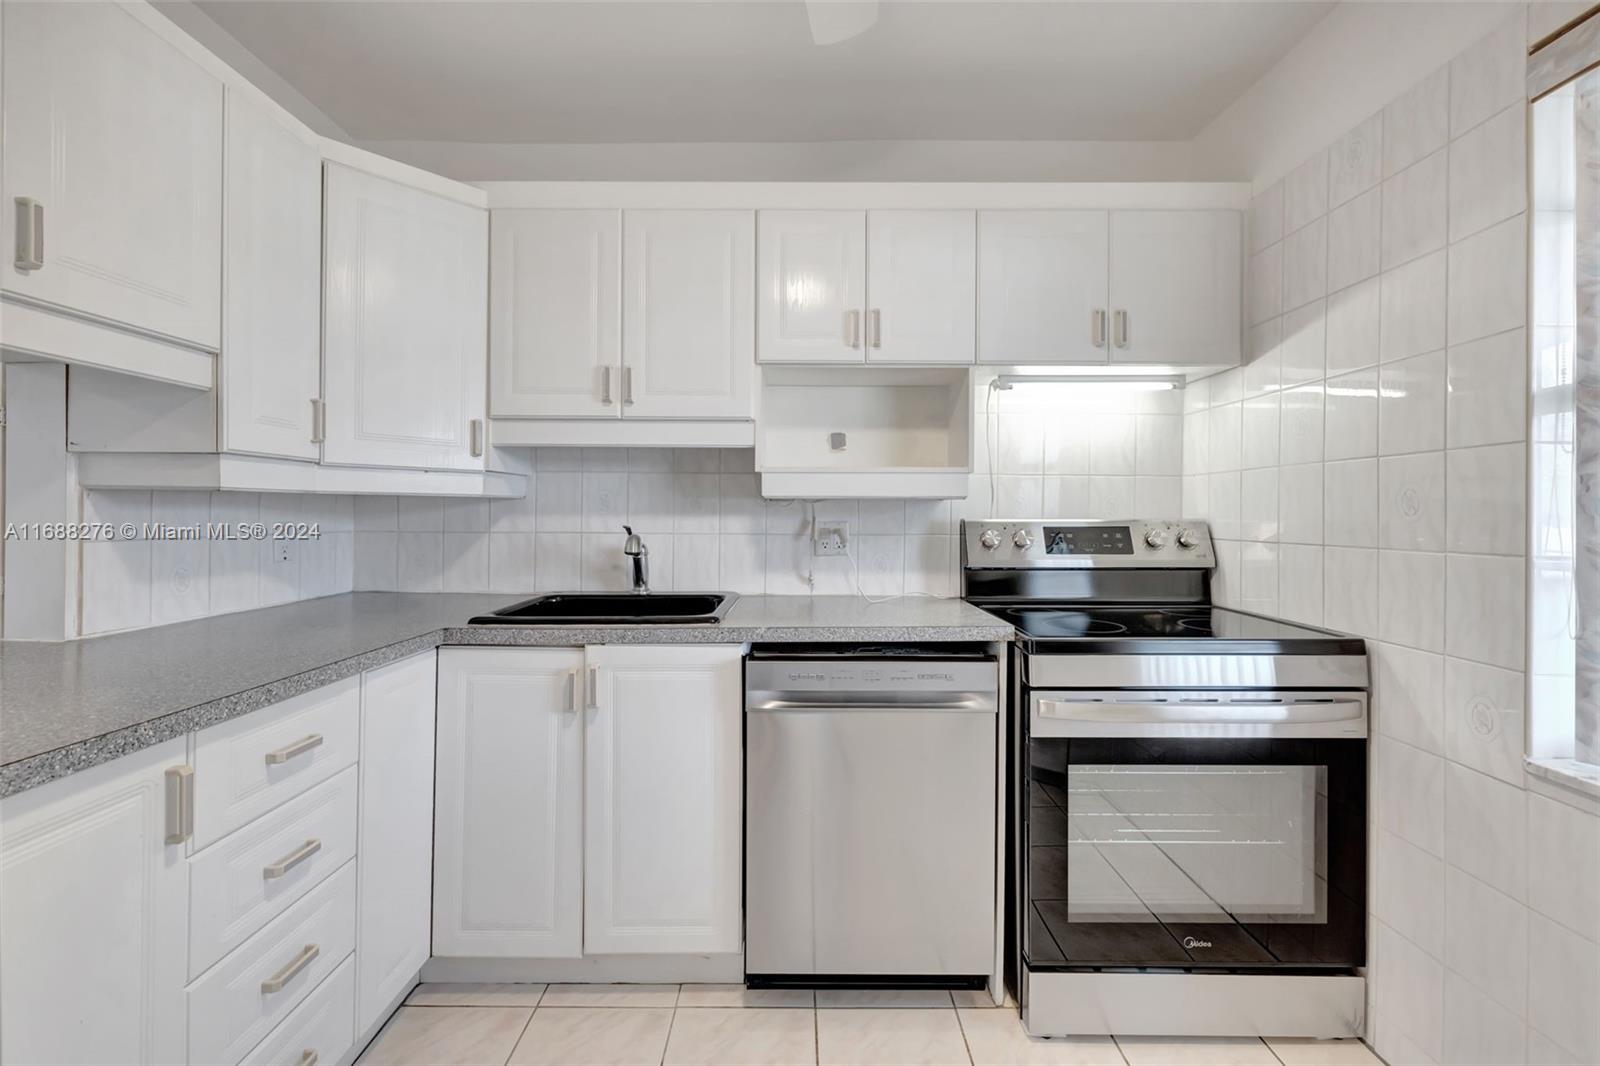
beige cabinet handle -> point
(319, 421)
(570, 697)
(1097, 328)
(1119, 328)
(875, 328)
(475, 433)
(275, 870)
(180, 804)
(308, 1057)
(276, 982)
(605, 386)
(852, 328)
(627, 386)
(592, 695)
(299, 747)
(30, 234)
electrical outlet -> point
(832, 539)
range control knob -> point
(990, 539)
(1156, 538)
(1187, 538)
(1022, 539)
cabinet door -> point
(405, 322)
(921, 286)
(663, 817)
(508, 820)
(688, 347)
(555, 320)
(271, 365)
(1042, 287)
(394, 862)
(813, 281)
(1175, 276)
(119, 137)
(94, 917)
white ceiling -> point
(747, 70)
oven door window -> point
(1196, 854)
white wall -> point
(1366, 471)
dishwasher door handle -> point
(975, 702)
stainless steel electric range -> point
(1188, 845)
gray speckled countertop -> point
(67, 706)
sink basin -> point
(614, 608)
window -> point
(1564, 431)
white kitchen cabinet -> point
(395, 862)
(663, 816)
(271, 367)
(508, 807)
(405, 323)
(688, 314)
(93, 916)
(117, 138)
(555, 346)
(921, 286)
(1175, 287)
(1043, 285)
(812, 279)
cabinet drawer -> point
(256, 873)
(319, 1031)
(245, 995)
(246, 767)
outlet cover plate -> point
(832, 538)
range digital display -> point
(1088, 540)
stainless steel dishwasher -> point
(870, 814)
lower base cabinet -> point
(94, 916)
(588, 801)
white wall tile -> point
(1353, 325)
(1259, 435)
(1484, 825)
(1350, 415)
(1113, 444)
(559, 501)
(1261, 371)
(1020, 436)
(1412, 308)
(1066, 496)
(1483, 708)
(1305, 192)
(1408, 695)
(1350, 503)
(1264, 293)
(1486, 937)
(180, 570)
(1488, 387)
(1066, 447)
(558, 562)
(1258, 578)
(1305, 264)
(1411, 599)
(1300, 435)
(1488, 76)
(1223, 492)
(1302, 354)
(1477, 1030)
(743, 564)
(1563, 987)
(376, 564)
(376, 513)
(1488, 500)
(1355, 162)
(419, 562)
(652, 502)
(1018, 496)
(743, 511)
(1354, 246)
(1415, 210)
(1487, 609)
(881, 564)
(929, 517)
(1300, 583)
(1411, 501)
(417, 514)
(1411, 994)
(1409, 891)
(1488, 173)
(512, 566)
(1112, 497)
(603, 567)
(1300, 504)
(1350, 590)
(1417, 124)
(1410, 787)
(466, 516)
(1488, 275)
(697, 560)
(466, 562)
(698, 507)
(1411, 403)
(605, 501)
(1226, 432)
(1158, 496)
(1159, 445)
(1564, 864)
(1266, 217)
(1258, 504)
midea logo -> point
(1191, 942)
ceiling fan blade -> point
(833, 21)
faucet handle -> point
(634, 544)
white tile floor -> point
(729, 1025)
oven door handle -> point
(1285, 713)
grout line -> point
(523, 1032)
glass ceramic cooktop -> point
(1194, 627)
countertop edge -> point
(40, 769)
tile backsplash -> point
(127, 583)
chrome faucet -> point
(636, 550)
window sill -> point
(1572, 782)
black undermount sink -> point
(614, 608)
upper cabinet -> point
(1119, 287)
(856, 286)
(555, 328)
(271, 369)
(813, 286)
(1175, 287)
(112, 186)
(633, 314)
(405, 322)
(1043, 277)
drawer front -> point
(319, 1031)
(253, 875)
(241, 998)
(246, 767)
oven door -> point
(1209, 842)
